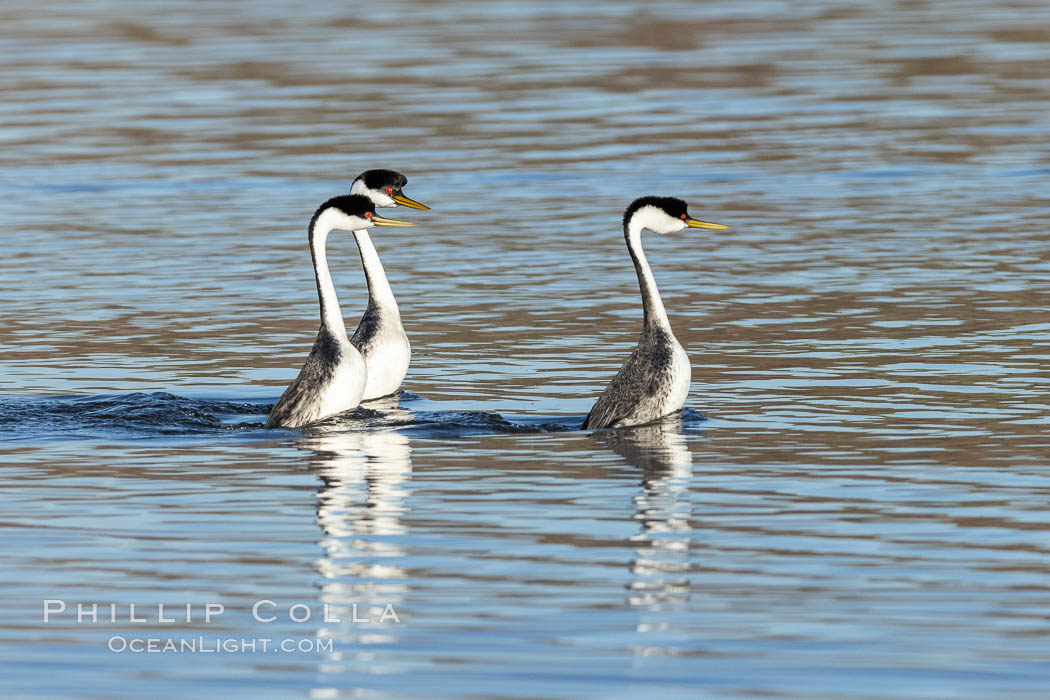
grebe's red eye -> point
(368, 215)
(389, 190)
(683, 216)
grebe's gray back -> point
(654, 380)
(380, 337)
(334, 376)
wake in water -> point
(162, 414)
(122, 415)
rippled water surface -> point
(854, 503)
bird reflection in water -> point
(366, 479)
(661, 565)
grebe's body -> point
(334, 376)
(654, 381)
(331, 381)
(380, 337)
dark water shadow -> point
(132, 415)
(162, 414)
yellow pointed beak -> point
(380, 221)
(696, 223)
(407, 202)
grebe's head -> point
(662, 215)
(352, 212)
(383, 187)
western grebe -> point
(334, 376)
(380, 337)
(654, 380)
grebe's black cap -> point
(380, 178)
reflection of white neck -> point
(331, 316)
(664, 509)
(366, 483)
(651, 302)
(379, 291)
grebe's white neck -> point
(331, 316)
(652, 304)
(379, 291)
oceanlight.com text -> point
(218, 645)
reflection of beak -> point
(380, 221)
(406, 202)
(695, 223)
